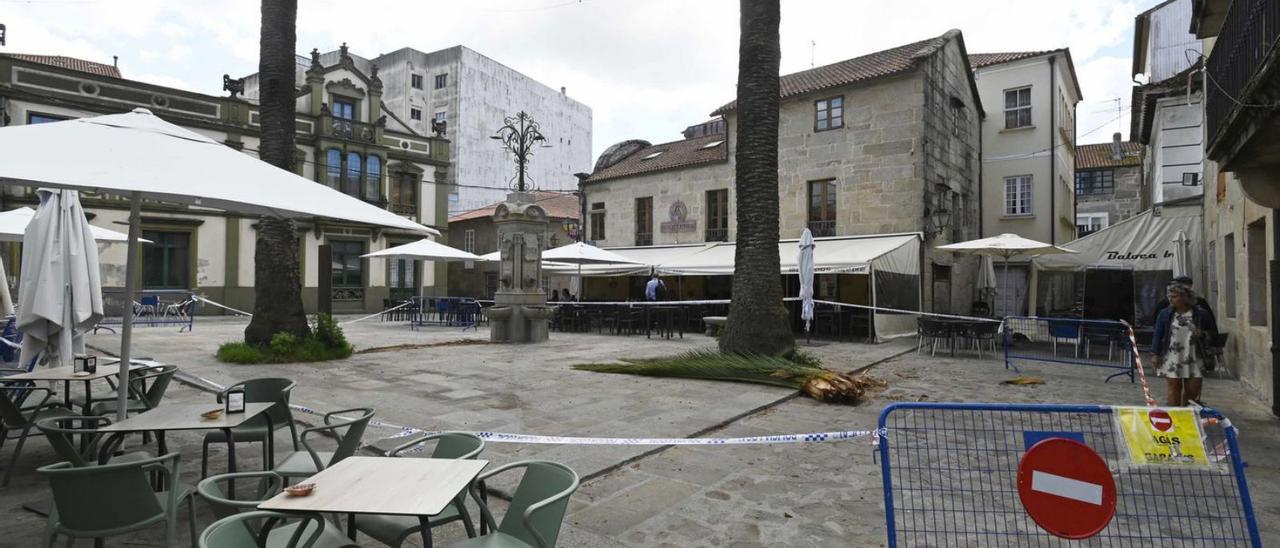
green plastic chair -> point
(116, 498)
(394, 530)
(348, 431)
(233, 532)
(62, 433)
(272, 390)
(316, 533)
(20, 408)
(537, 509)
(142, 396)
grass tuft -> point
(325, 342)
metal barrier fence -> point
(951, 471)
(154, 307)
(1096, 343)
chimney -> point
(1115, 147)
(115, 61)
(561, 90)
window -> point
(1017, 195)
(644, 221)
(718, 215)
(597, 221)
(401, 278)
(652, 156)
(712, 144)
(333, 169)
(351, 183)
(1088, 223)
(469, 240)
(1229, 273)
(959, 119)
(348, 267)
(440, 116)
(1257, 253)
(1213, 274)
(415, 114)
(822, 207)
(442, 80)
(828, 114)
(373, 179)
(403, 193)
(345, 110)
(1017, 108)
(1089, 183)
(415, 81)
(166, 262)
(33, 118)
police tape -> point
(376, 314)
(220, 305)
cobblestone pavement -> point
(771, 495)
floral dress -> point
(1182, 360)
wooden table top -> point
(185, 417)
(69, 374)
(383, 485)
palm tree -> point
(758, 323)
(277, 304)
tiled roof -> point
(699, 150)
(1100, 155)
(979, 60)
(558, 205)
(70, 63)
(867, 67)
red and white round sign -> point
(1066, 488)
(1160, 419)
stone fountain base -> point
(518, 318)
(519, 313)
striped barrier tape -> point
(376, 314)
(220, 305)
(1137, 360)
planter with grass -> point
(325, 342)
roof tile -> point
(699, 150)
(1099, 155)
(70, 63)
(557, 204)
(979, 60)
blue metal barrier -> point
(950, 479)
(154, 307)
(1095, 343)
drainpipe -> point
(982, 221)
(1053, 154)
(1275, 311)
(582, 205)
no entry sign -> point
(1066, 488)
(1160, 420)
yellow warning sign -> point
(1162, 435)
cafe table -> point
(383, 486)
(66, 375)
(173, 417)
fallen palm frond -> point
(1022, 380)
(417, 346)
(817, 382)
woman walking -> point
(1178, 345)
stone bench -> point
(715, 324)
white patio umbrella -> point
(139, 156)
(804, 268)
(61, 291)
(423, 250)
(1006, 246)
(1181, 255)
(579, 253)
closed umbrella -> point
(61, 292)
(1006, 246)
(804, 268)
(1181, 255)
(986, 282)
(138, 156)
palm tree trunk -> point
(277, 303)
(758, 322)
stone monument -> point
(520, 313)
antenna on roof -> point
(812, 47)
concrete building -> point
(471, 94)
(883, 143)
(1108, 184)
(343, 141)
(1242, 173)
(475, 232)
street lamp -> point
(519, 134)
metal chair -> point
(309, 530)
(18, 414)
(348, 431)
(537, 508)
(394, 530)
(115, 498)
(268, 390)
(143, 395)
(932, 331)
(62, 433)
(983, 334)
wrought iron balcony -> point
(1245, 49)
(347, 293)
(350, 130)
(717, 234)
(644, 238)
(822, 228)
(408, 210)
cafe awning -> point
(898, 253)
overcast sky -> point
(647, 68)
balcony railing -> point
(644, 238)
(822, 228)
(350, 130)
(717, 235)
(1248, 35)
(408, 210)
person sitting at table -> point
(567, 297)
(555, 296)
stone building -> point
(878, 144)
(475, 232)
(472, 94)
(343, 141)
(1108, 184)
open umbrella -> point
(61, 292)
(1006, 246)
(579, 253)
(804, 268)
(138, 156)
(424, 250)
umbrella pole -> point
(126, 321)
(5, 299)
